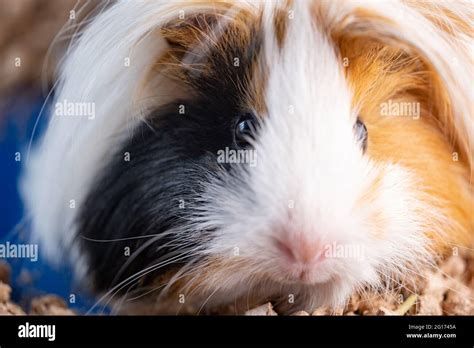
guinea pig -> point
(207, 153)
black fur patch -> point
(169, 158)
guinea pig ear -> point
(183, 33)
(439, 35)
(193, 29)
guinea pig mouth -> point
(305, 274)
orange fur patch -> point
(380, 75)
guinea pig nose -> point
(300, 250)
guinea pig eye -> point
(361, 134)
(245, 130)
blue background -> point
(28, 278)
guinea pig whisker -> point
(134, 255)
(118, 239)
(194, 272)
(179, 252)
(144, 293)
(438, 269)
(165, 286)
(143, 247)
(396, 289)
(182, 272)
(207, 300)
(252, 281)
(113, 291)
(183, 254)
(129, 281)
(116, 306)
(192, 281)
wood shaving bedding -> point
(43, 305)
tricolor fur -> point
(308, 70)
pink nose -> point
(300, 250)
